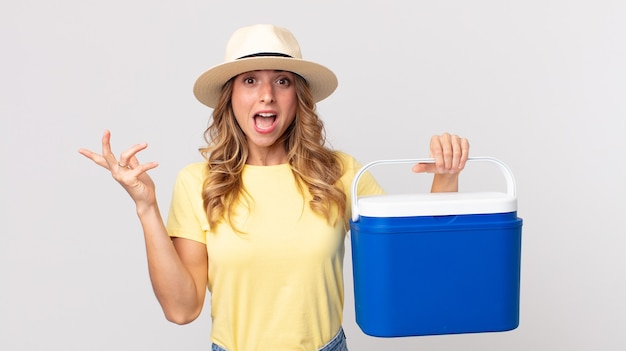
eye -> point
(248, 80)
(283, 81)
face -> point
(264, 103)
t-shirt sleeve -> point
(367, 183)
(186, 217)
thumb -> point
(424, 168)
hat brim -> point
(208, 86)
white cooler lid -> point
(435, 204)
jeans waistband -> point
(337, 343)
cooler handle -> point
(506, 171)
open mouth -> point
(264, 120)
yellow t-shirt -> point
(277, 284)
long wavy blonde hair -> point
(316, 167)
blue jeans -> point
(337, 343)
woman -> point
(262, 221)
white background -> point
(540, 85)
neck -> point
(267, 156)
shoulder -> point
(350, 164)
(193, 173)
(350, 167)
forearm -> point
(172, 282)
(445, 183)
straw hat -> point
(260, 47)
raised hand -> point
(127, 170)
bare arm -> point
(178, 267)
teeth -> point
(264, 121)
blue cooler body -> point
(439, 263)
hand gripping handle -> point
(506, 171)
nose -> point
(267, 92)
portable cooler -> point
(437, 263)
